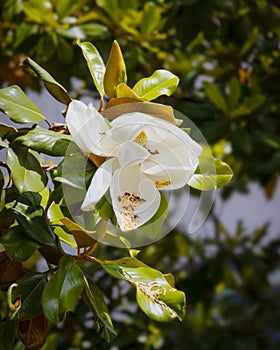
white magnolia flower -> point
(143, 155)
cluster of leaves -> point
(233, 46)
(34, 215)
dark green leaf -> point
(35, 226)
(17, 245)
(6, 130)
(54, 88)
(216, 96)
(45, 141)
(155, 295)
(7, 335)
(29, 289)
(94, 298)
(27, 174)
(161, 82)
(18, 106)
(211, 173)
(75, 170)
(63, 289)
(95, 64)
(234, 92)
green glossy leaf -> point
(234, 92)
(54, 88)
(18, 106)
(27, 174)
(45, 141)
(94, 298)
(6, 130)
(211, 173)
(38, 11)
(84, 31)
(83, 237)
(64, 236)
(35, 226)
(67, 7)
(75, 170)
(17, 245)
(215, 96)
(161, 82)
(155, 295)
(95, 64)
(7, 334)
(150, 19)
(29, 289)
(63, 289)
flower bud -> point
(115, 70)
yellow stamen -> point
(160, 184)
(141, 139)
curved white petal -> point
(171, 180)
(85, 124)
(163, 127)
(109, 143)
(135, 198)
(130, 153)
(165, 159)
(99, 185)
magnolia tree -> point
(112, 183)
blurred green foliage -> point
(232, 45)
(226, 54)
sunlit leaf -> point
(150, 18)
(18, 106)
(63, 289)
(216, 96)
(64, 236)
(27, 174)
(83, 237)
(211, 173)
(54, 88)
(155, 296)
(95, 64)
(122, 90)
(45, 141)
(161, 82)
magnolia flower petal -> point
(85, 124)
(109, 142)
(171, 180)
(162, 126)
(131, 153)
(167, 159)
(135, 198)
(99, 185)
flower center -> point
(141, 140)
(128, 203)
